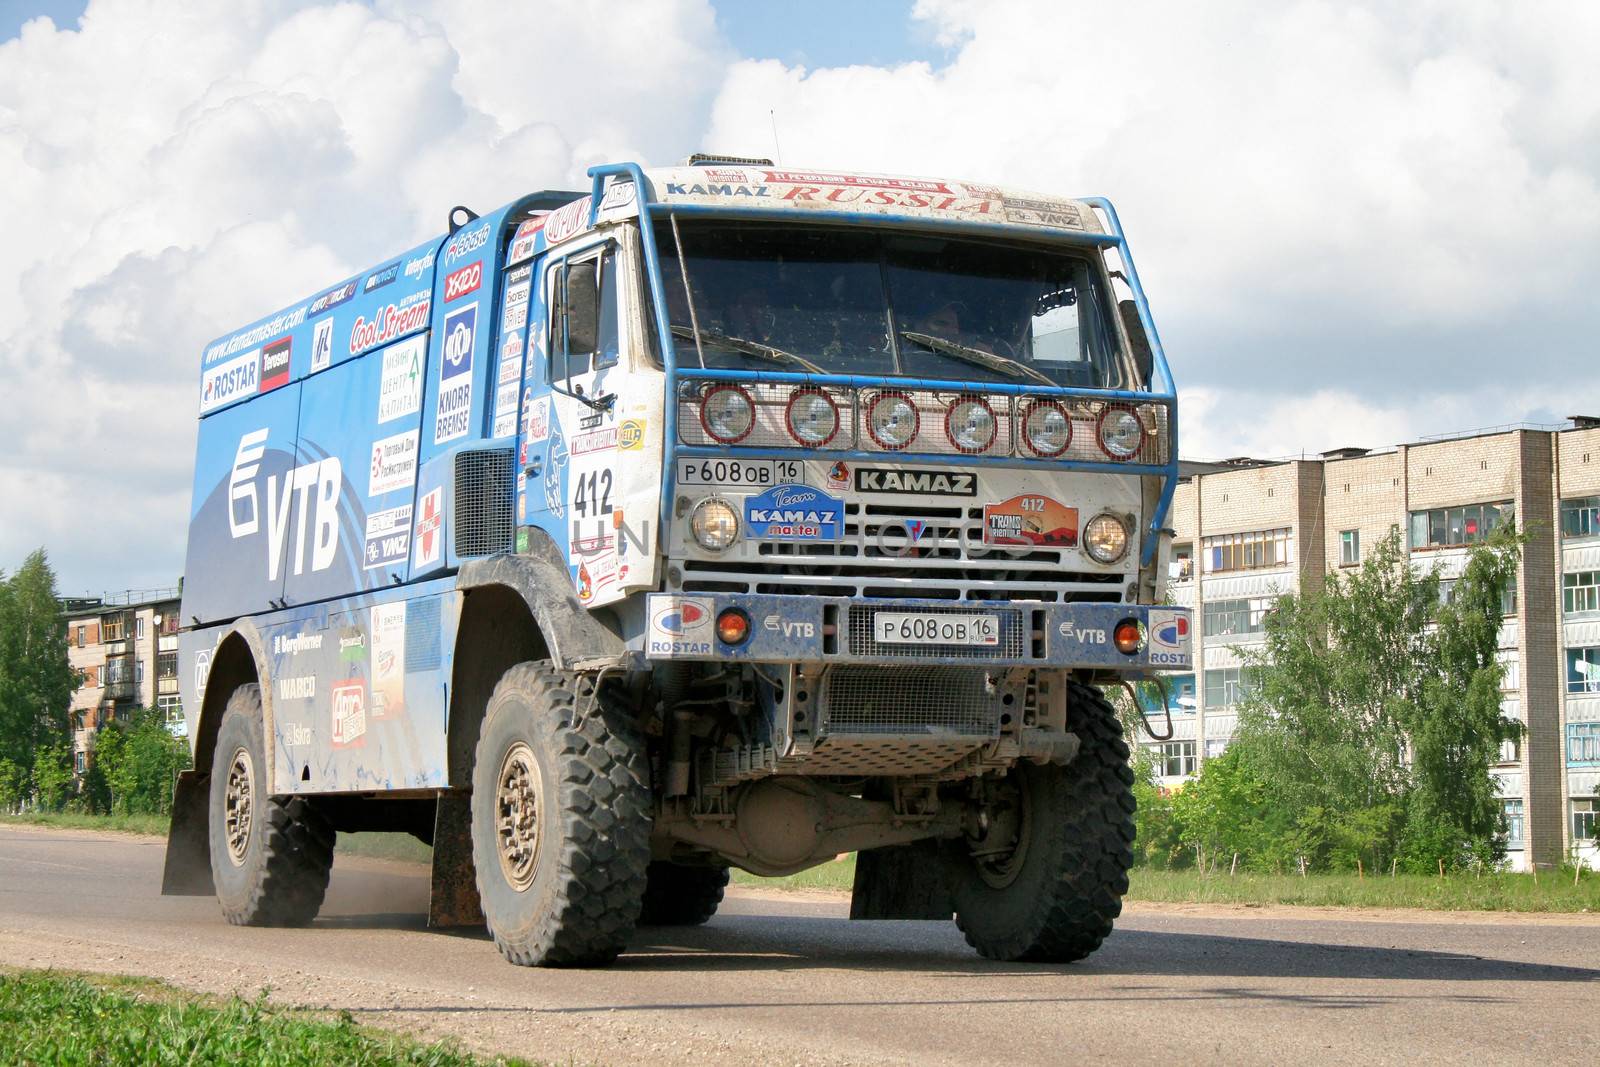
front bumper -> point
(805, 629)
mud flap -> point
(453, 894)
(902, 882)
(187, 872)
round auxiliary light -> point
(1121, 432)
(970, 424)
(1128, 636)
(733, 626)
(892, 420)
(1105, 539)
(1046, 428)
(714, 523)
(727, 414)
(812, 417)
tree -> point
(36, 680)
(137, 756)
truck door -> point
(593, 420)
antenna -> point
(777, 153)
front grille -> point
(919, 702)
(863, 641)
(485, 483)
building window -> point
(81, 632)
(1216, 746)
(1181, 569)
(1513, 813)
(138, 628)
(1349, 547)
(1177, 759)
(1227, 686)
(171, 710)
(1583, 816)
(1511, 750)
(1247, 551)
(166, 664)
(1580, 517)
(1449, 527)
(79, 761)
(1583, 670)
(1228, 617)
(1580, 592)
(1583, 744)
(111, 628)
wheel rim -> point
(1000, 853)
(239, 805)
(516, 806)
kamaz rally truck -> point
(721, 516)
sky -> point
(1357, 223)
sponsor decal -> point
(333, 298)
(526, 239)
(839, 475)
(1084, 635)
(275, 364)
(227, 382)
(715, 174)
(1030, 521)
(242, 484)
(538, 416)
(922, 482)
(806, 177)
(317, 486)
(279, 324)
(714, 188)
(915, 528)
(466, 280)
(390, 322)
(294, 644)
(388, 660)
(381, 277)
(680, 626)
(322, 345)
(430, 533)
(600, 540)
(872, 195)
(394, 463)
(777, 624)
(584, 584)
(352, 646)
(600, 440)
(510, 358)
(202, 673)
(388, 538)
(415, 268)
(630, 435)
(296, 735)
(505, 410)
(1169, 633)
(793, 513)
(400, 382)
(555, 475)
(1042, 212)
(349, 707)
(465, 242)
(565, 221)
(452, 416)
(304, 688)
(618, 194)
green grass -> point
(1554, 891)
(57, 1018)
(838, 875)
(126, 824)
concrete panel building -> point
(125, 647)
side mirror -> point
(1143, 359)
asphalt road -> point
(788, 979)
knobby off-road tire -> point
(560, 819)
(676, 895)
(270, 856)
(1068, 883)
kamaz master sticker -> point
(794, 513)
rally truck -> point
(717, 516)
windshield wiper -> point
(1011, 368)
(747, 347)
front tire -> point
(1046, 884)
(270, 856)
(560, 820)
(676, 895)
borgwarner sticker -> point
(680, 626)
(794, 513)
(229, 381)
(453, 416)
(1169, 638)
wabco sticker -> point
(229, 381)
(679, 626)
(394, 463)
(349, 712)
(794, 513)
(388, 538)
(1169, 638)
(430, 519)
(453, 414)
(1030, 521)
(933, 483)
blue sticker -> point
(794, 513)
(380, 278)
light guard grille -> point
(485, 483)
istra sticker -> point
(1169, 633)
(679, 626)
(793, 513)
(1030, 521)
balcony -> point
(118, 690)
(166, 687)
(167, 643)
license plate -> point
(913, 628)
(760, 473)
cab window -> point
(583, 326)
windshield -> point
(851, 301)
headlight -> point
(1121, 432)
(812, 417)
(970, 424)
(714, 523)
(728, 414)
(892, 420)
(1105, 539)
(1046, 428)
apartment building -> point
(1249, 531)
(125, 647)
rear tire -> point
(560, 819)
(270, 856)
(676, 895)
(1055, 896)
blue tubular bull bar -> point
(1162, 387)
